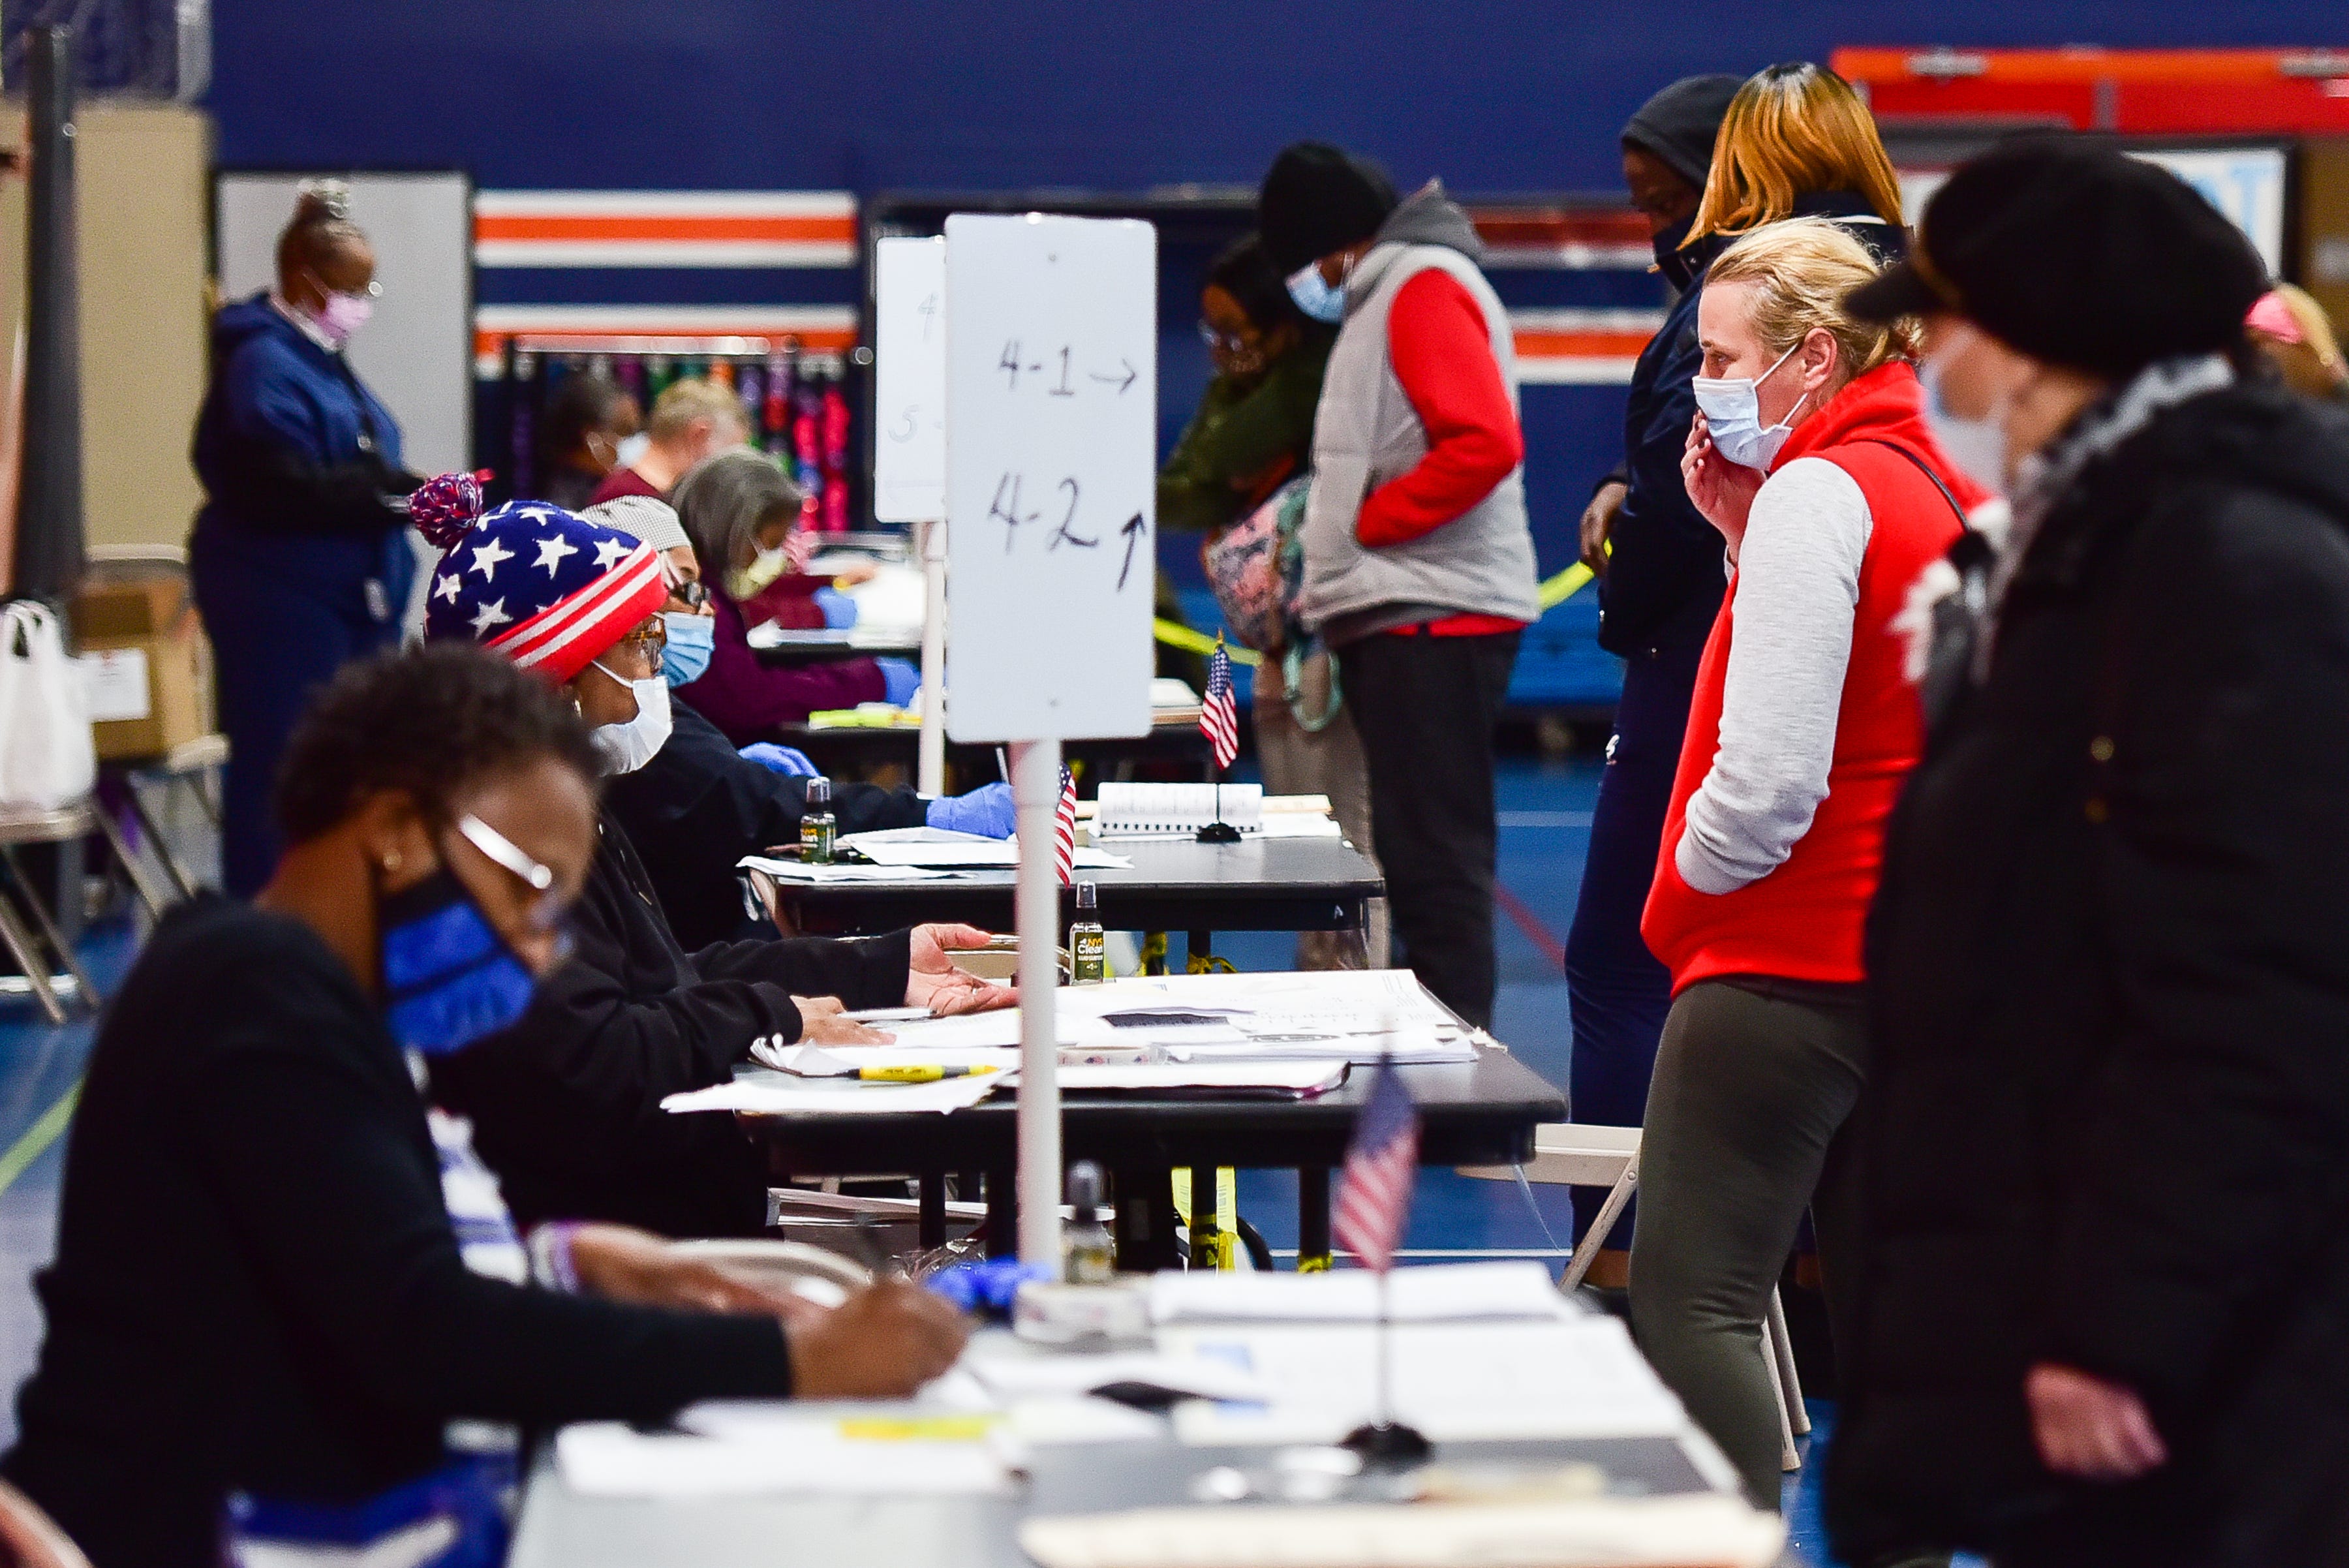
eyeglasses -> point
(647, 640)
(546, 909)
(1228, 342)
(691, 593)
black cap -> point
(1317, 199)
(1681, 124)
(2078, 255)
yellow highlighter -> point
(909, 1073)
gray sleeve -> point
(1797, 590)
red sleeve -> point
(1443, 355)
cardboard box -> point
(146, 663)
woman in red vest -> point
(1810, 453)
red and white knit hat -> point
(549, 589)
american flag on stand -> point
(1064, 829)
(1219, 716)
(1381, 1162)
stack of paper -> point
(760, 1093)
(824, 876)
(1506, 1380)
(938, 846)
(745, 1449)
(1451, 1293)
(1699, 1530)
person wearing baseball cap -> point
(2108, 1116)
(566, 1103)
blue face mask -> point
(449, 979)
(692, 639)
(1316, 296)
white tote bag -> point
(47, 756)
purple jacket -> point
(747, 698)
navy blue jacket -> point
(1666, 556)
(292, 448)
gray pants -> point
(1297, 761)
(1754, 1079)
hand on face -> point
(1722, 491)
(932, 981)
(2090, 1429)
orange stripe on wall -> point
(670, 227)
(1580, 345)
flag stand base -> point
(1219, 832)
(1388, 1446)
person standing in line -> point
(1657, 591)
(692, 420)
(1795, 140)
(589, 422)
(1418, 566)
(2107, 1268)
(299, 559)
(1811, 455)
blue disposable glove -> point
(839, 609)
(902, 680)
(785, 760)
(985, 810)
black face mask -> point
(1670, 260)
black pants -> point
(1618, 992)
(1426, 707)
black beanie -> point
(1317, 199)
(1681, 123)
(2078, 254)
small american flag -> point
(1219, 718)
(1381, 1162)
(1064, 829)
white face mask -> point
(765, 566)
(1733, 416)
(630, 449)
(629, 746)
(1978, 447)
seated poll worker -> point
(566, 1101)
(698, 806)
(337, 1281)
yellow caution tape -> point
(1555, 592)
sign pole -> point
(930, 769)
(1036, 796)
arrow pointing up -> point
(1133, 530)
(1121, 383)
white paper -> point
(820, 876)
(1455, 1382)
(770, 1094)
(116, 680)
(610, 1459)
(1435, 1293)
(1300, 1078)
(1010, 1377)
(1581, 1532)
(940, 847)
(1123, 809)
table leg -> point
(1203, 951)
(934, 1210)
(1002, 1214)
(1312, 1221)
(1146, 1218)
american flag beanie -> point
(549, 589)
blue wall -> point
(1493, 95)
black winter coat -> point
(566, 1105)
(2107, 1122)
(698, 807)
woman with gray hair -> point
(739, 509)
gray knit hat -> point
(642, 517)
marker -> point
(920, 1074)
(886, 1015)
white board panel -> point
(417, 352)
(1051, 427)
(909, 380)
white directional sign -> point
(1052, 429)
(909, 380)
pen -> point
(1002, 764)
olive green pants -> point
(1754, 1080)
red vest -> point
(1803, 921)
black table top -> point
(1480, 1113)
(1256, 884)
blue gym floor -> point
(1545, 810)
